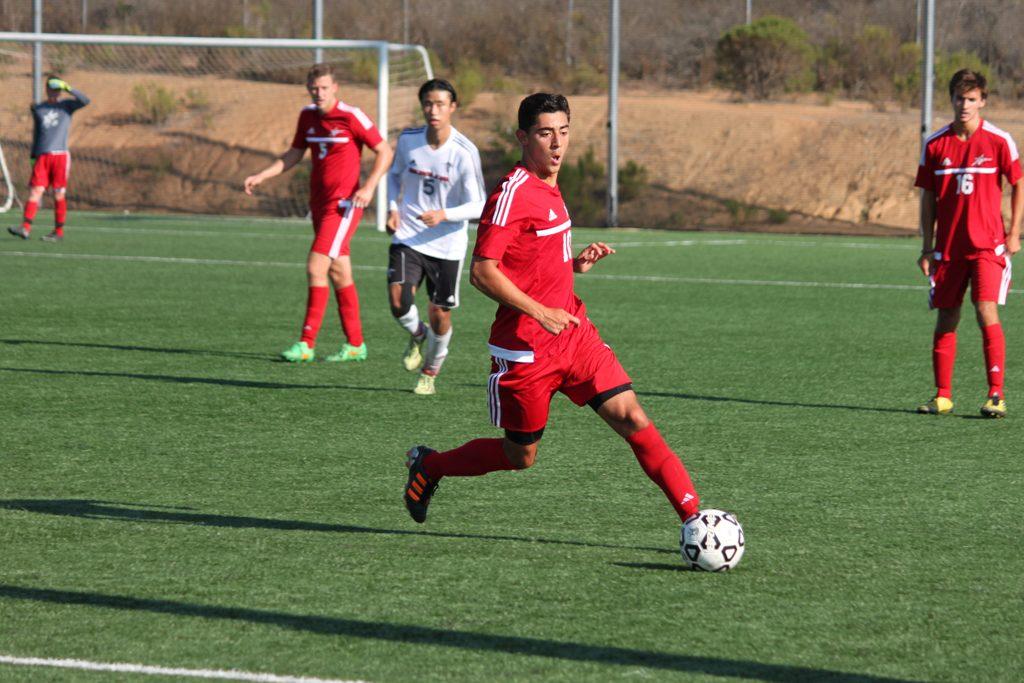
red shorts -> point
(51, 170)
(334, 225)
(519, 394)
(987, 273)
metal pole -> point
(37, 52)
(917, 26)
(383, 80)
(928, 71)
(405, 21)
(750, 12)
(568, 33)
(318, 28)
(613, 116)
(85, 14)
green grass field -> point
(172, 496)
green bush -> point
(770, 56)
(153, 104)
(948, 64)
(632, 179)
(468, 79)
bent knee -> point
(520, 456)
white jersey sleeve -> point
(398, 165)
(471, 184)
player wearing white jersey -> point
(435, 187)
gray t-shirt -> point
(51, 123)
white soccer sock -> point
(410, 322)
(437, 351)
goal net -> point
(176, 124)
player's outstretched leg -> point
(623, 413)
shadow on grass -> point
(129, 512)
(129, 347)
(177, 379)
(462, 640)
(657, 566)
(762, 402)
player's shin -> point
(471, 459)
(410, 322)
(437, 351)
(316, 304)
(665, 469)
(29, 215)
(995, 357)
(943, 359)
(348, 311)
(60, 214)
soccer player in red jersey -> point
(51, 123)
(541, 340)
(336, 133)
(960, 176)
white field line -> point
(736, 242)
(144, 669)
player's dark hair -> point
(539, 103)
(966, 80)
(318, 70)
(438, 84)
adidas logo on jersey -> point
(947, 162)
(311, 131)
(552, 215)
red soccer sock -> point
(995, 357)
(60, 214)
(471, 459)
(316, 304)
(30, 212)
(943, 358)
(665, 469)
(348, 311)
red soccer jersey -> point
(336, 142)
(525, 226)
(966, 177)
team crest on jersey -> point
(50, 119)
(336, 131)
(980, 159)
(947, 162)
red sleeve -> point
(926, 171)
(1009, 162)
(299, 141)
(493, 237)
(363, 129)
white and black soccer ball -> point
(712, 541)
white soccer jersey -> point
(426, 179)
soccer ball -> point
(711, 541)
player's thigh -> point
(593, 372)
(405, 266)
(40, 174)
(949, 283)
(990, 279)
(443, 277)
(60, 170)
(519, 394)
(334, 226)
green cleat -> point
(425, 385)
(299, 352)
(940, 405)
(413, 357)
(995, 406)
(348, 354)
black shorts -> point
(406, 266)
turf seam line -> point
(145, 669)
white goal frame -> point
(382, 48)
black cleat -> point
(52, 237)
(419, 488)
(19, 232)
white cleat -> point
(425, 386)
(413, 357)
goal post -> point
(176, 123)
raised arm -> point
(485, 275)
(279, 166)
